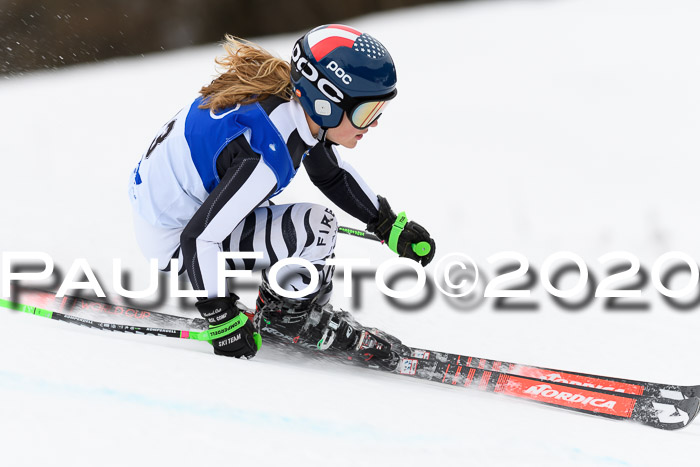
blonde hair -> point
(250, 74)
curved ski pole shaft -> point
(155, 331)
(421, 249)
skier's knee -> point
(321, 225)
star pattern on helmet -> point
(369, 46)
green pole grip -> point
(258, 340)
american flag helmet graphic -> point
(324, 40)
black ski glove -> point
(232, 333)
(408, 239)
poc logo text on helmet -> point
(309, 72)
(339, 72)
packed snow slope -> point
(525, 126)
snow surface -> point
(520, 126)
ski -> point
(652, 410)
(655, 411)
(585, 380)
(658, 405)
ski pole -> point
(156, 331)
(420, 248)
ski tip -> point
(692, 406)
(677, 415)
(693, 391)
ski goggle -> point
(365, 113)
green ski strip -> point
(26, 308)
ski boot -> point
(321, 327)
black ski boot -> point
(321, 327)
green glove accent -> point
(420, 248)
(396, 229)
(258, 340)
(221, 330)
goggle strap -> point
(321, 137)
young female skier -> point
(205, 183)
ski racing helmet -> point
(337, 69)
